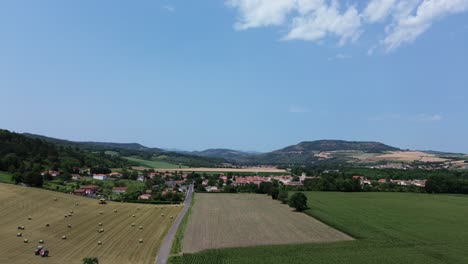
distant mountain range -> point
(304, 153)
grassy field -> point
(390, 228)
(120, 241)
(154, 164)
(179, 236)
(5, 177)
(238, 220)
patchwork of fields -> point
(239, 220)
(390, 228)
(120, 241)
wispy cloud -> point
(315, 20)
(169, 8)
(429, 118)
(420, 118)
(298, 109)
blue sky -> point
(241, 74)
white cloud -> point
(377, 10)
(315, 20)
(407, 28)
(169, 8)
(326, 20)
(259, 13)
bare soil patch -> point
(240, 220)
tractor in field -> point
(41, 251)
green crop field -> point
(5, 177)
(155, 164)
(389, 228)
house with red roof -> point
(145, 196)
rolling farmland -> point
(155, 164)
(390, 228)
(239, 220)
(120, 240)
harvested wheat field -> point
(239, 220)
(410, 156)
(72, 238)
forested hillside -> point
(26, 158)
(138, 150)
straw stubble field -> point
(240, 220)
(120, 240)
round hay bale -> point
(55, 199)
(100, 212)
(141, 227)
(172, 217)
(71, 211)
(133, 215)
(69, 225)
(64, 237)
(140, 240)
(133, 224)
(47, 225)
(76, 204)
(26, 240)
(115, 210)
(29, 218)
(100, 224)
(101, 230)
(99, 243)
(41, 241)
(70, 215)
(162, 214)
(22, 227)
(66, 215)
(19, 235)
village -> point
(171, 186)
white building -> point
(100, 177)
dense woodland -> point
(136, 150)
(25, 158)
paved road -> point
(165, 249)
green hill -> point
(26, 157)
(136, 150)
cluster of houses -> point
(286, 180)
(172, 185)
(417, 183)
